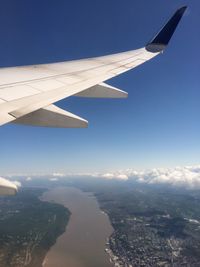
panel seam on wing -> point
(65, 74)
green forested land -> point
(28, 228)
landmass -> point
(153, 227)
(28, 228)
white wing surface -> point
(103, 90)
(7, 187)
(27, 93)
(52, 116)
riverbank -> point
(84, 242)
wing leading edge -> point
(27, 93)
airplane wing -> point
(27, 93)
(7, 187)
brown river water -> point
(83, 243)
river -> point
(83, 243)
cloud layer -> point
(188, 177)
(118, 176)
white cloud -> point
(117, 176)
(53, 179)
(58, 174)
(108, 175)
(122, 177)
(188, 177)
(28, 178)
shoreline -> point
(93, 232)
(112, 257)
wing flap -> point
(103, 90)
(52, 116)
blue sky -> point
(157, 126)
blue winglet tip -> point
(161, 40)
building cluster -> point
(136, 241)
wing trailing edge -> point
(103, 90)
(52, 116)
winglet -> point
(162, 39)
